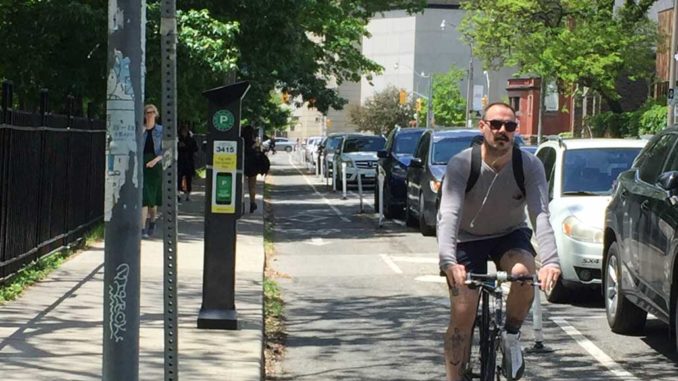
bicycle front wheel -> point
(488, 344)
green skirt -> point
(152, 192)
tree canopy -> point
(575, 42)
(299, 46)
(382, 112)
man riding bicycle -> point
(482, 217)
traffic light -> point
(285, 95)
(403, 96)
(484, 101)
(418, 105)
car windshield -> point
(592, 171)
(333, 143)
(406, 143)
(445, 148)
(364, 144)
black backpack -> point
(476, 161)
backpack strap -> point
(518, 174)
(476, 160)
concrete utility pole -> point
(124, 179)
(429, 109)
(672, 68)
(469, 90)
(168, 45)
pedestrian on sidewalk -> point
(187, 148)
(256, 162)
(152, 187)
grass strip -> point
(42, 267)
(274, 330)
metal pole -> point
(380, 179)
(540, 130)
(429, 111)
(124, 179)
(343, 180)
(360, 186)
(469, 90)
(334, 173)
(168, 32)
(672, 68)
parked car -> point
(311, 147)
(640, 272)
(359, 152)
(280, 144)
(425, 173)
(580, 174)
(394, 160)
(327, 148)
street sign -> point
(223, 120)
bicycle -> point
(488, 326)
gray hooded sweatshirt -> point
(494, 207)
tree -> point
(300, 45)
(382, 112)
(448, 104)
(577, 42)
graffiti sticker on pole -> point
(224, 173)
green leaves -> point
(577, 42)
(382, 112)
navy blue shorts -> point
(475, 254)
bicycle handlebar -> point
(501, 276)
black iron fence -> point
(51, 180)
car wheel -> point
(559, 293)
(424, 228)
(288, 149)
(409, 219)
(622, 315)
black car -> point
(424, 175)
(394, 160)
(640, 242)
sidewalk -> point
(54, 331)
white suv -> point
(359, 152)
(580, 174)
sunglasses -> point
(496, 124)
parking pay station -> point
(223, 205)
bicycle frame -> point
(490, 323)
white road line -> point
(594, 351)
(391, 264)
(415, 259)
(430, 279)
(334, 208)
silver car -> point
(580, 174)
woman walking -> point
(152, 188)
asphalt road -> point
(366, 303)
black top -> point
(148, 144)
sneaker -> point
(151, 228)
(144, 234)
(513, 362)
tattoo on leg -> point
(455, 291)
(456, 342)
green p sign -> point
(223, 120)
